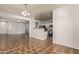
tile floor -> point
(20, 44)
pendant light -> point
(25, 12)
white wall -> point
(66, 26)
(12, 28)
(12, 17)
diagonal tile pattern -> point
(20, 44)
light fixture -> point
(25, 12)
(2, 23)
(28, 14)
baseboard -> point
(65, 46)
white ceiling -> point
(33, 9)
